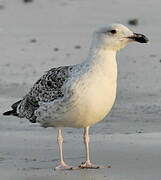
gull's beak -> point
(139, 38)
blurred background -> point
(36, 35)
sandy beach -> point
(42, 34)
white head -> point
(115, 37)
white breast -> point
(93, 95)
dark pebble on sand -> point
(68, 54)
(69, 132)
(133, 22)
(27, 1)
(2, 158)
(140, 131)
(153, 55)
(1, 6)
(7, 65)
(34, 159)
(33, 40)
(77, 46)
(160, 60)
(56, 49)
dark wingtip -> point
(13, 111)
(7, 113)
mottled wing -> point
(46, 89)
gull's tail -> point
(13, 112)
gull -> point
(79, 95)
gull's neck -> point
(101, 56)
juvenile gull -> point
(79, 95)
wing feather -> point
(46, 89)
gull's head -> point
(116, 36)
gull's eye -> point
(113, 31)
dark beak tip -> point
(140, 38)
(143, 39)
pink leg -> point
(87, 163)
(62, 165)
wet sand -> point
(31, 153)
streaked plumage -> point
(47, 89)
